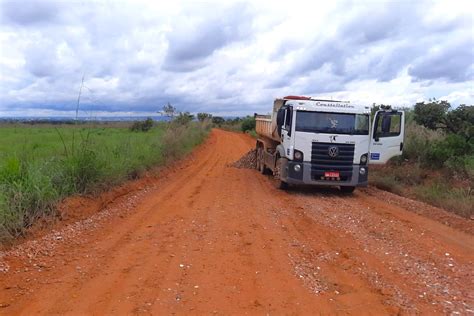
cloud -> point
(235, 58)
(194, 38)
(452, 61)
(29, 12)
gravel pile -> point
(247, 161)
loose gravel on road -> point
(212, 236)
(247, 161)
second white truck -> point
(325, 142)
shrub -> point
(248, 124)
(452, 146)
(463, 165)
(204, 116)
(183, 118)
(431, 114)
(217, 120)
(461, 121)
(418, 140)
(142, 126)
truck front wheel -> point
(282, 185)
(347, 190)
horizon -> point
(229, 59)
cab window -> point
(288, 119)
(388, 125)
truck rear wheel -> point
(261, 161)
(257, 158)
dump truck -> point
(324, 142)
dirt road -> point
(208, 238)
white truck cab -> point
(325, 142)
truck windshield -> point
(332, 123)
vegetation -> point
(238, 124)
(248, 124)
(204, 117)
(184, 118)
(142, 126)
(437, 165)
(39, 166)
(218, 121)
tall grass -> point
(435, 168)
(39, 166)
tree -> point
(183, 118)
(203, 116)
(248, 123)
(142, 126)
(461, 121)
(431, 115)
(374, 109)
(218, 120)
(169, 111)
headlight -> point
(297, 168)
(363, 159)
(298, 155)
(362, 171)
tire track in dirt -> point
(211, 239)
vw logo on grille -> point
(333, 151)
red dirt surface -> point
(207, 238)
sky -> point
(229, 58)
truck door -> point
(286, 132)
(388, 131)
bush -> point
(418, 141)
(248, 124)
(142, 126)
(217, 120)
(432, 114)
(204, 116)
(463, 165)
(183, 118)
(452, 146)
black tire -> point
(347, 190)
(282, 185)
(257, 159)
(263, 169)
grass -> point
(436, 168)
(39, 166)
(436, 187)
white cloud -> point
(230, 59)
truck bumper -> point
(305, 175)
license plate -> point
(331, 174)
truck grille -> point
(321, 161)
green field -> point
(40, 165)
